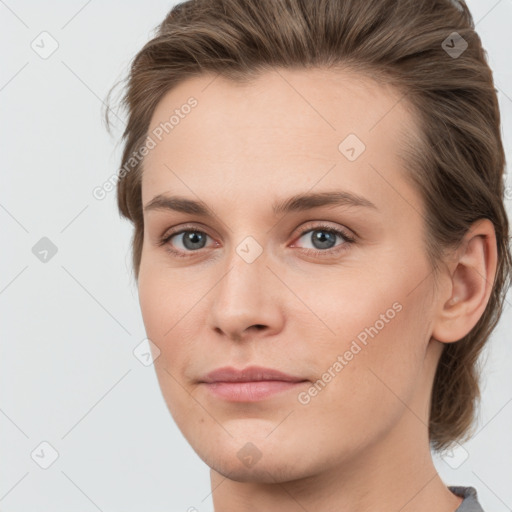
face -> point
(334, 290)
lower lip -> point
(250, 391)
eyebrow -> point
(296, 203)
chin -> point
(264, 471)
(259, 460)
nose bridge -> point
(245, 295)
(247, 273)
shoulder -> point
(470, 497)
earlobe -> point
(470, 286)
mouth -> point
(251, 384)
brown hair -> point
(457, 166)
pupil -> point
(193, 238)
(325, 239)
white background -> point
(69, 326)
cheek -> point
(161, 299)
(153, 305)
(163, 314)
(170, 320)
(380, 337)
(383, 361)
(353, 305)
(366, 397)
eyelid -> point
(324, 225)
(184, 227)
(164, 239)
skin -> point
(361, 443)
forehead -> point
(286, 128)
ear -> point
(472, 270)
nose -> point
(247, 301)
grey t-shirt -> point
(470, 503)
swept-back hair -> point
(430, 52)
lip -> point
(249, 374)
(250, 384)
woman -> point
(320, 243)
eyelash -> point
(348, 240)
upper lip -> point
(249, 374)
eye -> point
(323, 239)
(187, 240)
